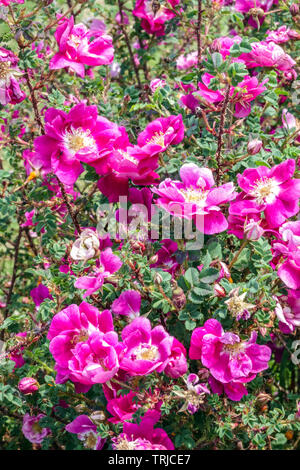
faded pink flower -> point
(154, 17)
(86, 432)
(32, 429)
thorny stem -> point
(14, 275)
(136, 70)
(198, 33)
(34, 103)
(69, 207)
(221, 132)
(234, 259)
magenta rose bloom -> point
(122, 408)
(269, 190)
(32, 429)
(153, 19)
(177, 365)
(84, 345)
(10, 91)
(288, 311)
(267, 54)
(143, 436)
(144, 349)
(86, 432)
(287, 250)
(161, 133)
(107, 265)
(128, 303)
(74, 137)
(228, 358)
(195, 198)
(6, 3)
(79, 47)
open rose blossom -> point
(286, 254)
(32, 430)
(146, 349)
(228, 358)
(10, 91)
(71, 138)
(79, 47)
(86, 432)
(84, 345)
(161, 133)
(154, 15)
(269, 190)
(196, 198)
(107, 265)
(143, 436)
(288, 311)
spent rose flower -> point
(86, 246)
(143, 436)
(32, 430)
(267, 54)
(281, 35)
(269, 190)
(79, 47)
(228, 358)
(196, 198)
(194, 395)
(86, 432)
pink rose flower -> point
(10, 91)
(153, 19)
(195, 198)
(228, 358)
(267, 54)
(144, 349)
(107, 265)
(79, 47)
(86, 432)
(288, 311)
(272, 190)
(143, 436)
(287, 250)
(122, 408)
(84, 345)
(71, 138)
(32, 429)
(128, 303)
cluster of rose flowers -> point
(83, 342)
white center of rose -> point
(265, 190)
(158, 139)
(194, 195)
(146, 352)
(79, 139)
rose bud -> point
(219, 291)
(254, 146)
(179, 298)
(28, 385)
(294, 9)
(253, 230)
